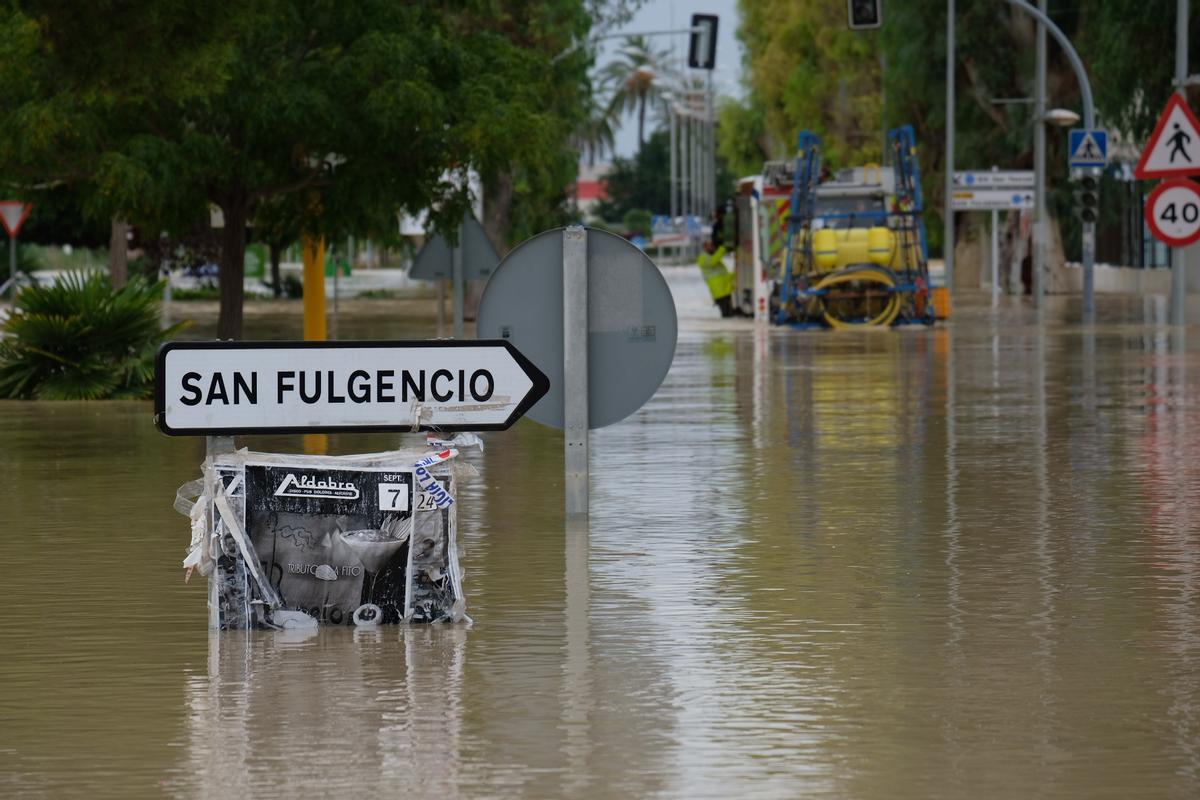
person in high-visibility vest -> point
(718, 278)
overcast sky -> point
(659, 15)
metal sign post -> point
(1173, 151)
(13, 214)
(995, 258)
(1088, 150)
(994, 190)
(575, 369)
(471, 258)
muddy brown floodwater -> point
(959, 562)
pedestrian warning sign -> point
(1089, 148)
(1174, 147)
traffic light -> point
(702, 48)
(1087, 197)
(864, 14)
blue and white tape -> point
(429, 484)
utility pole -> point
(712, 148)
(948, 247)
(1178, 254)
(674, 162)
(1039, 164)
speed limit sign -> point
(1173, 212)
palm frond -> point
(79, 339)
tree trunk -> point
(497, 211)
(233, 269)
(276, 283)
(641, 123)
(118, 253)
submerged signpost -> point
(994, 190)
(13, 214)
(472, 258)
(595, 314)
(1172, 210)
(295, 541)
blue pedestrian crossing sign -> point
(1088, 148)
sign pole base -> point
(214, 446)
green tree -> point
(639, 75)
(641, 182)
(806, 70)
(595, 135)
(361, 108)
(526, 182)
(742, 138)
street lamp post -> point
(1089, 122)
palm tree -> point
(595, 134)
(639, 74)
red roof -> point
(591, 190)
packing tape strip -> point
(429, 484)
(269, 595)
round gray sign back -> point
(632, 325)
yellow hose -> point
(885, 317)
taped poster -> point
(340, 540)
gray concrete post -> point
(575, 370)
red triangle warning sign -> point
(13, 214)
(1174, 147)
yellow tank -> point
(836, 248)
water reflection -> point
(279, 713)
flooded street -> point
(950, 562)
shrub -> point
(202, 292)
(293, 287)
(638, 222)
(378, 294)
(79, 340)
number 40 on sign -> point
(1173, 212)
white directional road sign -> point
(226, 388)
(995, 179)
(1088, 148)
(1174, 148)
(992, 199)
(1173, 212)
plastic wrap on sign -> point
(290, 541)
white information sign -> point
(995, 179)
(226, 388)
(992, 199)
